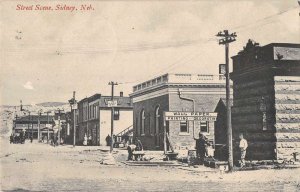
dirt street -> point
(41, 167)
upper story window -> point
(116, 114)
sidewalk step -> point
(151, 163)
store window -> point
(184, 127)
(204, 126)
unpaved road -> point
(40, 167)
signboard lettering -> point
(190, 116)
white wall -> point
(126, 120)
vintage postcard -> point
(149, 95)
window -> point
(157, 120)
(183, 127)
(143, 122)
(204, 126)
(157, 128)
(116, 114)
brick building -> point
(175, 92)
(266, 100)
(94, 117)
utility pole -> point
(21, 105)
(48, 135)
(59, 127)
(227, 38)
(73, 104)
(39, 125)
(112, 114)
(28, 123)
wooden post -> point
(39, 125)
(48, 135)
(227, 38)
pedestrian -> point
(108, 140)
(138, 144)
(31, 139)
(11, 138)
(85, 140)
(243, 148)
(130, 150)
(201, 148)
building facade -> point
(175, 92)
(266, 100)
(30, 123)
(94, 117)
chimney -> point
(121, 94)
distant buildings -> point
(175, 92)
(94, 117)
(266, 100)
(29, 124)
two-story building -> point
(94, 117)
(30, 124)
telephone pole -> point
(48, 135)
(73, 104)
(112, 114)
(59, 127)
(225, 39)
(39, 125)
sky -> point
(46, 55)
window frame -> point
(116, 114)
(181, 124)
(206, 125)
(142, 123)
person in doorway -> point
(201, 147)
(107, 139)
(85, 140)
(243, 148)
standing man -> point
(243, 147)
(201, 147)
(108, 140)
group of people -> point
(136, 146)
(87, 140)
(202, 145)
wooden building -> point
(266, 100)
(94, 117)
